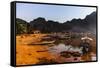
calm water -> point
(57, 49)
(62, 47)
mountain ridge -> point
(75, 25)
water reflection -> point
(62, 47)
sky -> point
(29, 12)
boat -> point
(42, 43)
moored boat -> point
(42, 43)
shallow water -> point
(29, 54)
(62, 47)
